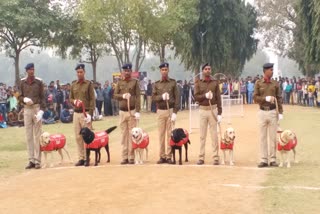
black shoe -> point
(37, 166)
(262, 164)
(200, 162)
(125, 161)
(80, 163)
(162, 160)
(273, 164)
(30, 165)
(215, 162)
(131, 161)
(169, 161)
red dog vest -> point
(181, 142)
(57, 141)
(144, 143)
(224, 145)
(290, 145)
(101, 139)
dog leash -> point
(216, 119)
(170, 115)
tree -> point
(310, 20)
(26, 23)
(223, 36)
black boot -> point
(30, 165)
(80, 163)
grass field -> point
(282, 190)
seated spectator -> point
(49, 116)
(66, 116)
(96, 115)
(13, 118)
(3, 123)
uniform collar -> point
(80, 81)
(164, 79)
(266, 80)
(30, 79)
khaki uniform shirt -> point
(83, 91)
(169, 86)
(128, 86)
(263, 89)
(34, 91)
(201, 87)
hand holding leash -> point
(270, 99)
(209, 95)
(126, 96)
(77, 103)
(137, 115)
(165, 96)
(280, 117)
(87, 118)
(173, 117)
(27, 101)
(219, 118)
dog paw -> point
(231, 164)
(223, 163)
(288, 166)
(281, 165)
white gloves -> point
(219, 118)
(87, 119)
(173, 117)
(270, 99)
(77, 103)
(280, 117)
(137, 115)
(126, 96)
(165, 96)
(209, 95)
(27, 101)
(39, 115)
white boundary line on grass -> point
(270, 187)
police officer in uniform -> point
(165, 90)
(266, 93)
(206, 90)
(83, 98)
(127, 90)
(33, 98)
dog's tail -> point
(109, 130)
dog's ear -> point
(225, 135)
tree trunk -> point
(138, 57)
(94, 70)
(16, 66)
(162, 53)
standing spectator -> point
(13, 103)
(114, 102)
(266, 93)
(180, 89)
(288, 91)
(149, 95)
(82, 96)
(299, 92)
(3, 102)
(59, 99)
(250, 91)
(100, 98)
(243, 91)
(33, 98)
(165, 91)
(311, 91)
(107, 95)
(207, 91)
(127, 92)
(186, 88)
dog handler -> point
(265, 93)
(33, 99)
(204, 90)
(82, 96)
(127, 90)
(165, 90)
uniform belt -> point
(79, 111)
(267, 108)
(127, 109)
(207, 107)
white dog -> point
(227, 145)
(140, 142)
(49, 143)
(287, 142)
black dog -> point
(94, 142)
(179, 137)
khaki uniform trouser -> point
(164, 129)
(149, 101)
(206, 118)
(127, 122)
(33, 132)
(79, 123)
(268, 124)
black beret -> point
(29, 66)
(268, 65)
(164, 65)
(80, 66)
(207, 64)
(127, 66)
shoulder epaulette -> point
(23, 79)
(157, 81)
(37, 78)
(74, 81)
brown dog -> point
(287, 142)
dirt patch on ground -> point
(149, 188)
